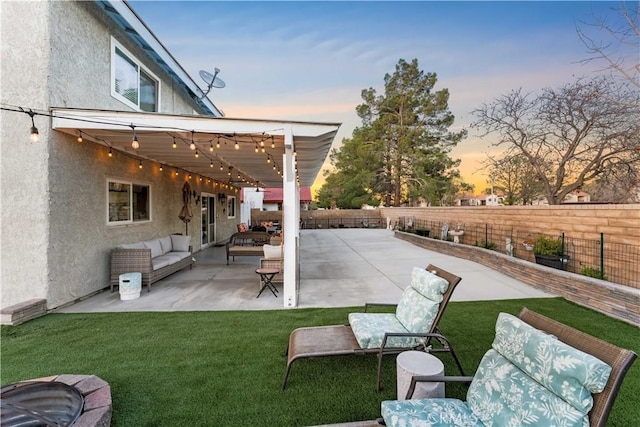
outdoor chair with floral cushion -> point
(538, 372)
(413, 325)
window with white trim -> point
(128, 202)
(231, 206)
(131, 82)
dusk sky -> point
(311, 60)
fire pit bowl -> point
(59, 400)
(40, 403)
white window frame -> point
(231, 205)
(130, 220)
(132, 58)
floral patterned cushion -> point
(428, 413)
(569, 373)
(415, 312)
(428, 284)
(503, 395)
(369, 330)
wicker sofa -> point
(155, 259)
(248, 243)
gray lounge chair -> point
(413, 326)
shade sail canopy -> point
(214, 139)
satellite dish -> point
(212, 80)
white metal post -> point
(291, 219)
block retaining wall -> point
(614, 300)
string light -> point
(135, 144)
(34, 135)
(273, 145)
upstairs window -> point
(132, 83)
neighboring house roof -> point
(274, 195)
(127, 19)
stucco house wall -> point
(55, 239)
(23, 166)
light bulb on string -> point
(110, 152)
(140, 164)
(236, 146)
(174, 145)
(197, 155)
(134, 144)
(211, 147)
(160, 168)
(211, 165)
(34, 135)
(192, 146)
(218, 142)
(79, 139)
(273, 145)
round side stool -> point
(129, 286)
(412, 363)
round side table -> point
(266, 276)
(410, 363)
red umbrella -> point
(185, 214)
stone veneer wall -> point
(611, 299)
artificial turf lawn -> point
(225, 368)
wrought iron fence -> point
(615, 262)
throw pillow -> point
(180, 243)
(271, 251)
(154, 245)
(165, 242)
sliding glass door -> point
(208, 219)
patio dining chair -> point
(414, 325)
(538, 372)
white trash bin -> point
(130, 285)
(410, 363)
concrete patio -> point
(338, 268)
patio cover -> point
(155, 132)
(299, 150)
